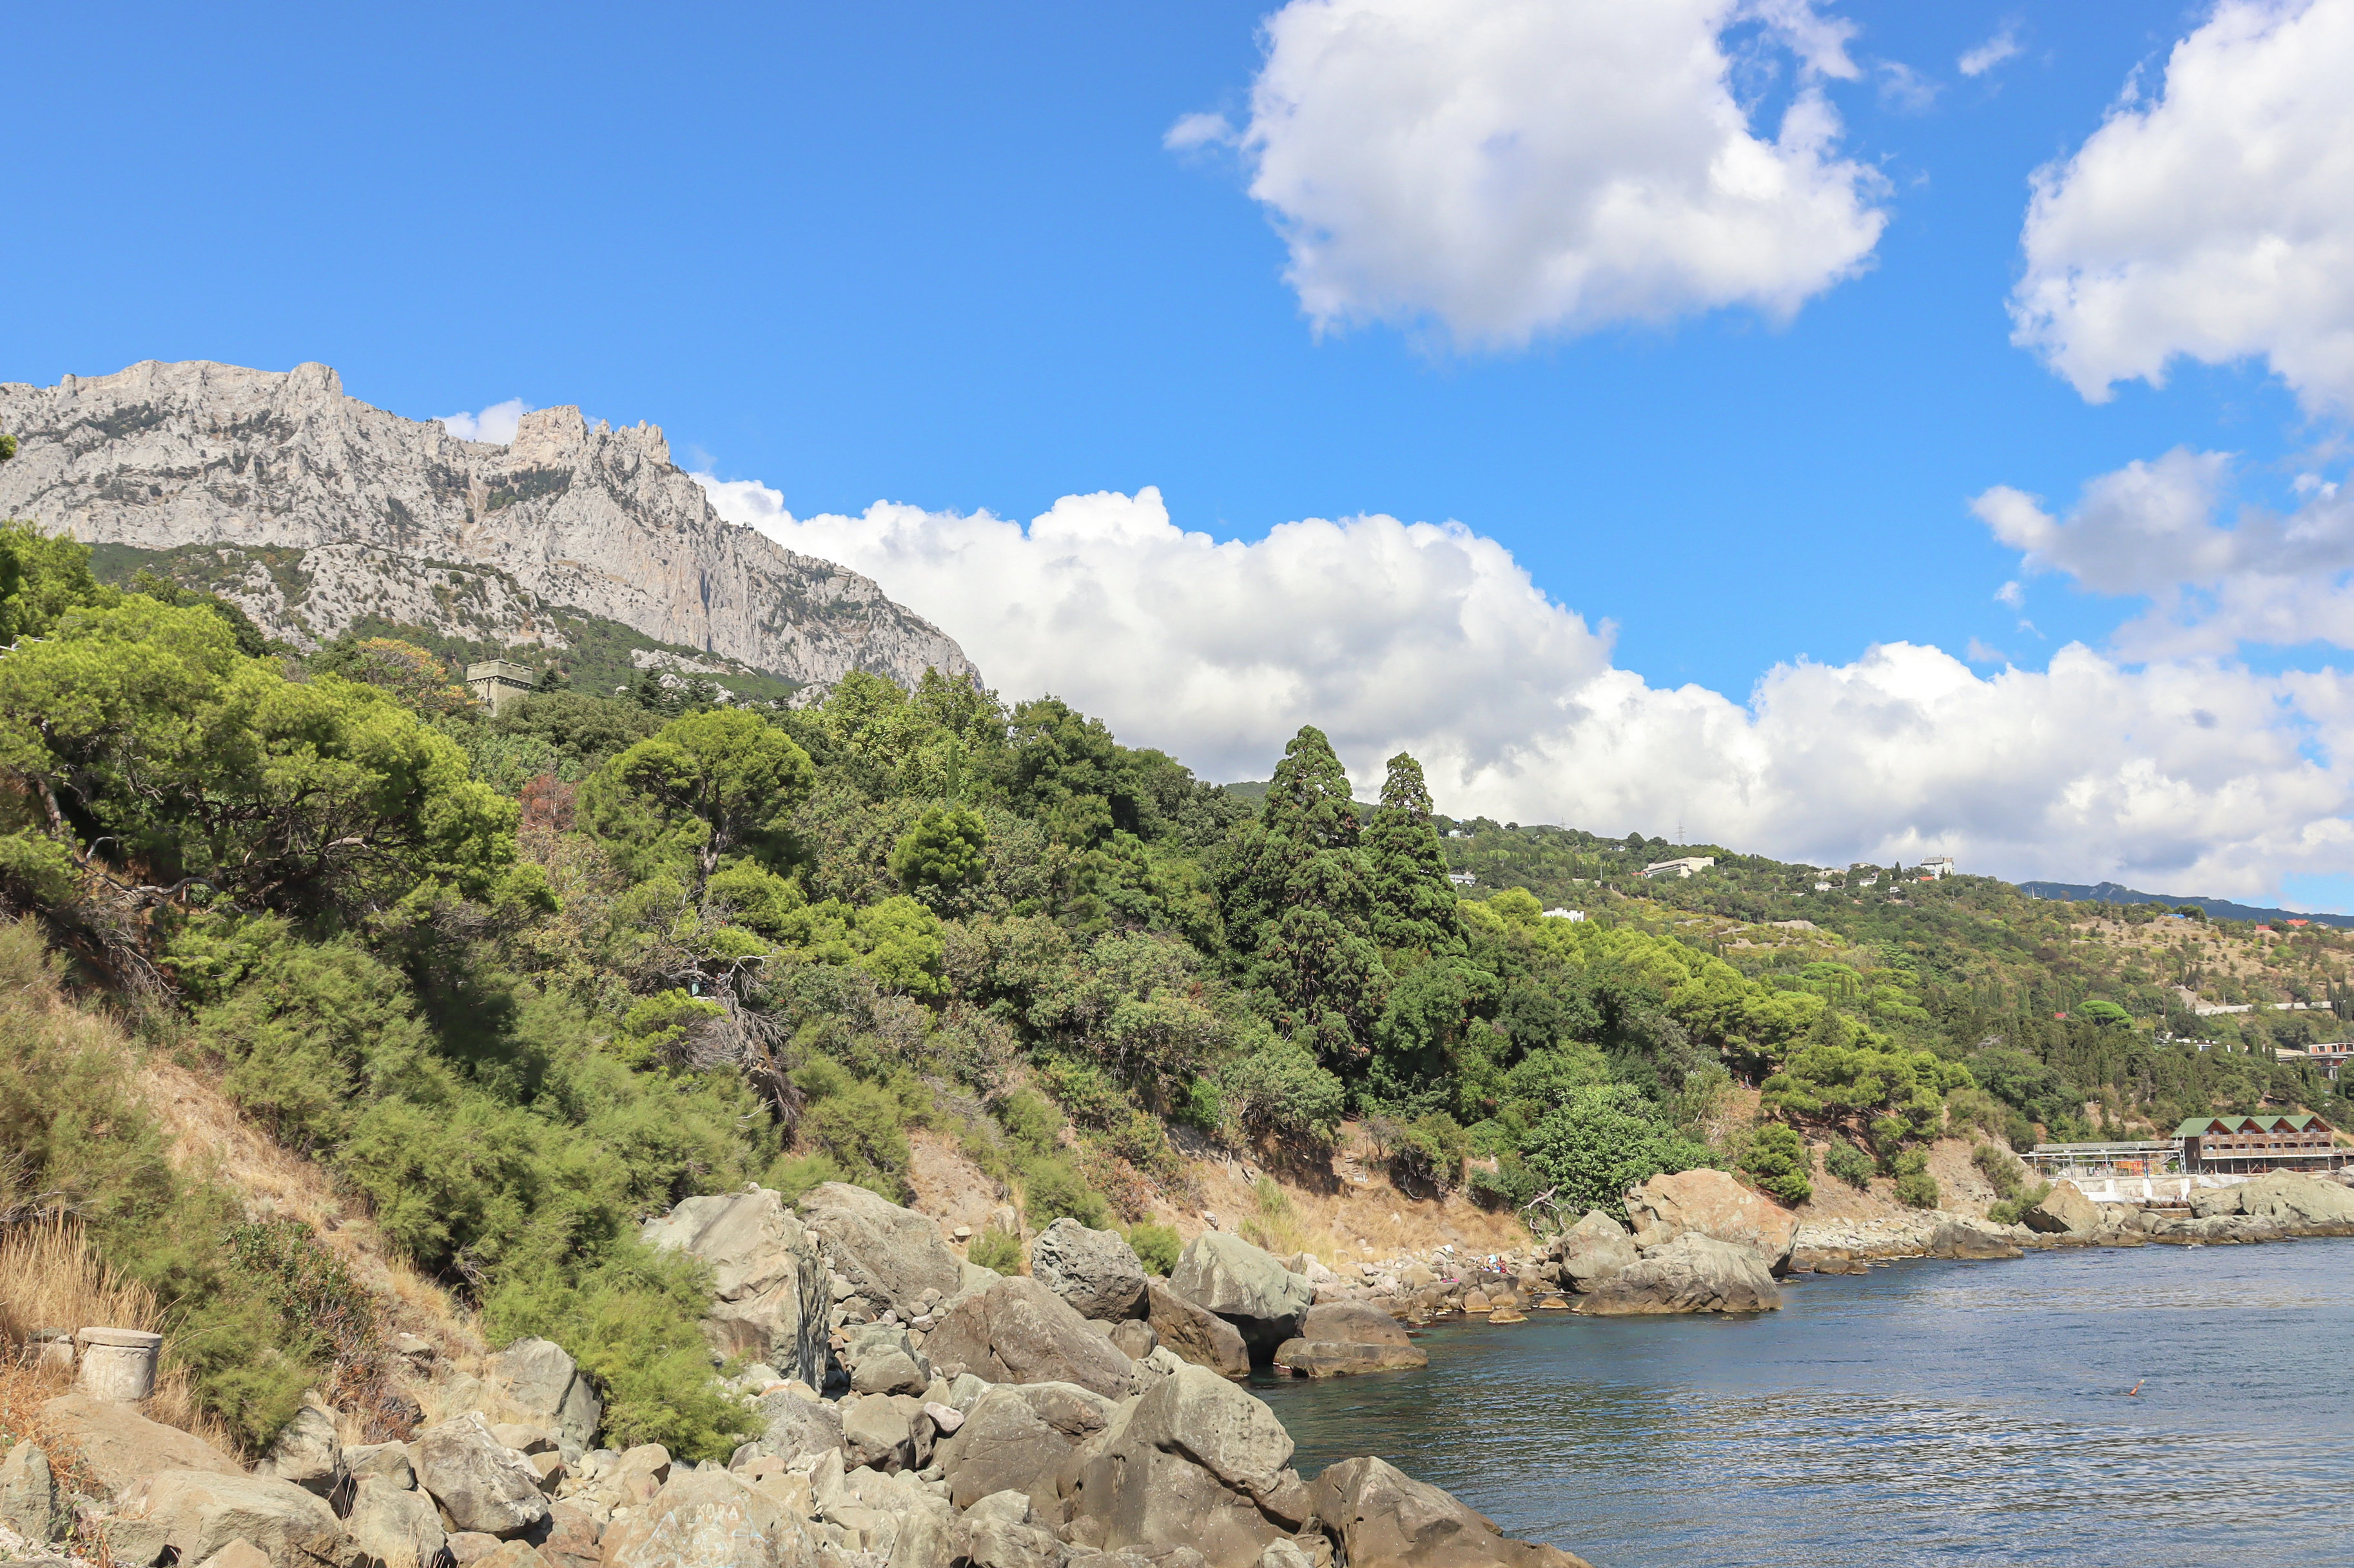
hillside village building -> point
(1683, 866)
(2220, 1145)
(1938, 869)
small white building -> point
(1683, 867)
(1938, 868)
(1461, 878)
(1565, 914)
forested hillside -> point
(521, 981)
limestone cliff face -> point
(390, 514)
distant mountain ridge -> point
(2216, 909)
(321, 512)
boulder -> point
(1136, 1339)
(189, 1515)
(891, 1256)
(480, 1483)
(879, 1431)
(1960, 1239)
(1380, 1517)
(395, 1527)
(1095, 1271)
(1692, 1272)
(708, 1519)
(572, 1532)
(123, 1447)
(2065, 1211)
(1017, 1438)
(386, 1462)
(235, 1554)
(768, 1278)
(883, 1360)
(512, 1555)
(2291, 1198)
(30, 1504)
(306, 1451)
(1195, 1333)
(999, 1534)
(1248, 1288)
(1019, 1331)
(1593, 1250)
(1340, 1338)
(1713, 1204)
(1197, 1461)
(794, 1425)
(546, 1383)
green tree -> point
(1778, 1162)
(1413, 901)
(42, 576)
(1296, 903)
(704, 789)
(1601, 1142)
(945, 852)
(164, 762)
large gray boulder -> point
(1245, 1286)
(1019, 1331)
(766, 1276)
(395, 1527)
(1017, 1438)
(30, 1504)
(1196, 1334)
(1095, 1271)
(188, 1515)
(1713, 1204)
(123, 1447)
(1340, 1338)
(793, 1426)
(891, 1256)
(1379, 1516)
(1197, 1462)
(708, 1519)
(1693, 1273)
(878, 1431)
(881, 1358)
(2064, 1211)
(2287, 1198)
(545, 1383)
(1593, 1250)
(480, 1483)
(306, 1451)
(1963, 1239)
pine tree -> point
(1413, 904)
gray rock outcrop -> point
(394, 1526)
(1693, 1273)
(1095, 1271)
(1019, 1331)
(1248, 1287)
(1713, 1204)
(123, 1447)
(30, 1502)
(2287, 1198)
(1196, 1334)
(1341, 1338)
(546, 1383)
(708, 1519)
(306, 1451)
(1593, 1250)
(2063, 1210)
(482, 1484)
(1381, 1518)
(188, 1515)
(1018, 1438)
(1197, 1461)
(399, 518)
(891, 1256)
(768, 1275)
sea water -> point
(1924, 1413)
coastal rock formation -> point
(1595, 1250)
(770, 1282)
(1095, 1271)
(891, 1256)
(1017, 1331)
(1245, 1286)
(327, 511)
(2286, 1197)
(1714, 1204)
(186, 1516)
(1693, 1273)
(1342, 1338)
(1383, 1518)
(1195, 1333)
(2063, 1210)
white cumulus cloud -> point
(2189, 775)
(495, 424)
(1512, 168)
(2212, 222)
(2157, 529)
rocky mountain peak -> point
(342, 511)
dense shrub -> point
(1849, 1163)
(1915, 1188)
(1602, 1142)
(1157, 1246)
(998, 1249)
(1778, 1162)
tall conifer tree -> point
(1413, 904)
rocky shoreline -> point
(916, 1411)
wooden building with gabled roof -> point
(2251, 1145)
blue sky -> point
(940, 255)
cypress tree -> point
(1413, 904)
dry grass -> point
(50, 1279)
